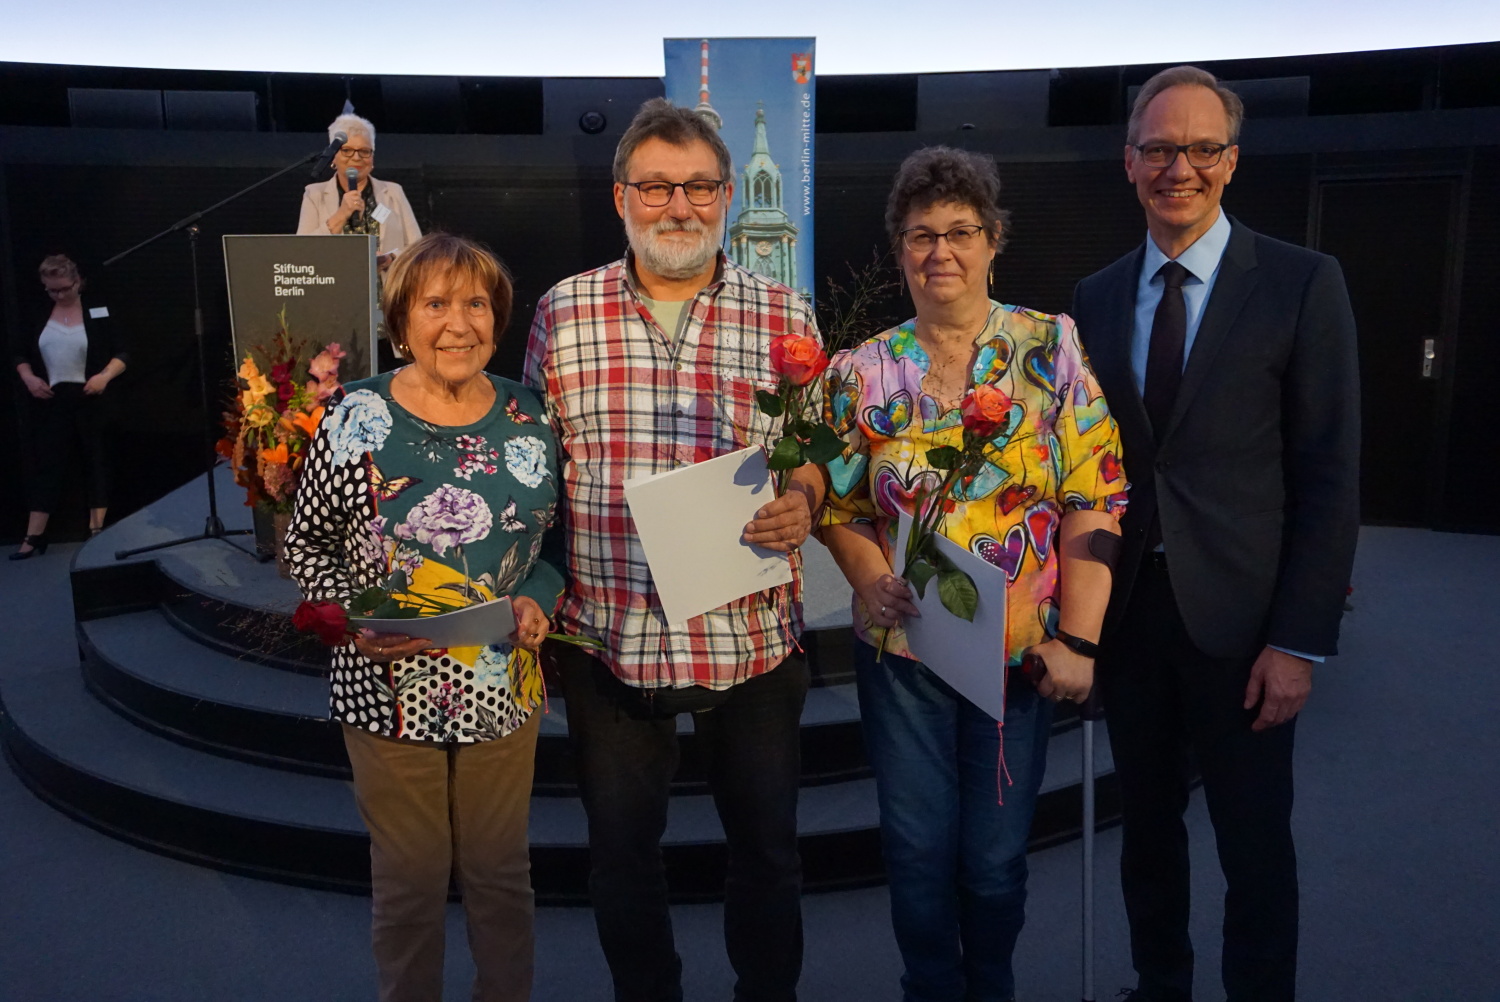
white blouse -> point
(64, 348)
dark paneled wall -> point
(543, 204)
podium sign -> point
(325, 284)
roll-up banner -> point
(758, 92)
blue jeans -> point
(955, 856)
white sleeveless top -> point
(64, 349)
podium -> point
(326, 284)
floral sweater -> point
(462, 510)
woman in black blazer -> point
(66, 358)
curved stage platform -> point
(197, 727)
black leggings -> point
(69, 428)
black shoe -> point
(38, 546)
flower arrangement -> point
(798, 361)
(275, 413)
(986, 412)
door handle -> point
(1429, 356)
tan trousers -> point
(435, 811)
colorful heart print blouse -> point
(1060, 452)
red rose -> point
(327, 619)
(986, 411)
(800, 359)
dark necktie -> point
(1164, 360)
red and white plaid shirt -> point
(626, 399)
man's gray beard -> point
(670, 259)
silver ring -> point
(882, 610)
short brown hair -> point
(58, 266)
(442, 253)
(935, 175)
(1186, 76)
(661, 119)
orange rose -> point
(798, 358)
(986, 411)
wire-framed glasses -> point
(922, 240)
(1198, 154)
(658, 193)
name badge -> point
(98, 312)
(381, 213)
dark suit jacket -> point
(1256, 475)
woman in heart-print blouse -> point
(957, 787)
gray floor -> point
(1397, 816)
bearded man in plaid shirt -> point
(649, 364)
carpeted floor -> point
(1397, 818)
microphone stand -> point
(213, 526)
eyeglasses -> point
(959, 238)
(659, 193)
(64, 290)
(1198, 154)
(356, 152)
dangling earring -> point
(991, 284)
(900, 280)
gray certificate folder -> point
(478, 625)
(326, 285)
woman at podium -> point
(370, 206)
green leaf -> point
(918, 573)
(397, 581)
(787, 455)
(944, 458)
(365, 601)
(825, 445)
(770, 403)
(803, 428)
(958, 594)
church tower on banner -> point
(763, 237)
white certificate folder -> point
(690, 520)
(969, 656)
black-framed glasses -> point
(659, 193)
(922, 240)
(1198, 154)
(64, 290)
(357, 152)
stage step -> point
(198, 728)
(252, 819)
(143, 666)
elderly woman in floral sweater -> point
(447, 474)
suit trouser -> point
(626, 760)
(434, 810)
(1171, 705)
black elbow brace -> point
(1105, 546)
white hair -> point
(351, 124)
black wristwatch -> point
(1077, 645)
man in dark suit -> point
(1228, 359)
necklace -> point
(939, 383)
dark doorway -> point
(1393, 239)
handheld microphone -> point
(352, 176)
(325, 159)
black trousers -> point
(1171, 706)
(69, 435)
(626, 756)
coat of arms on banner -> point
(801, 67)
